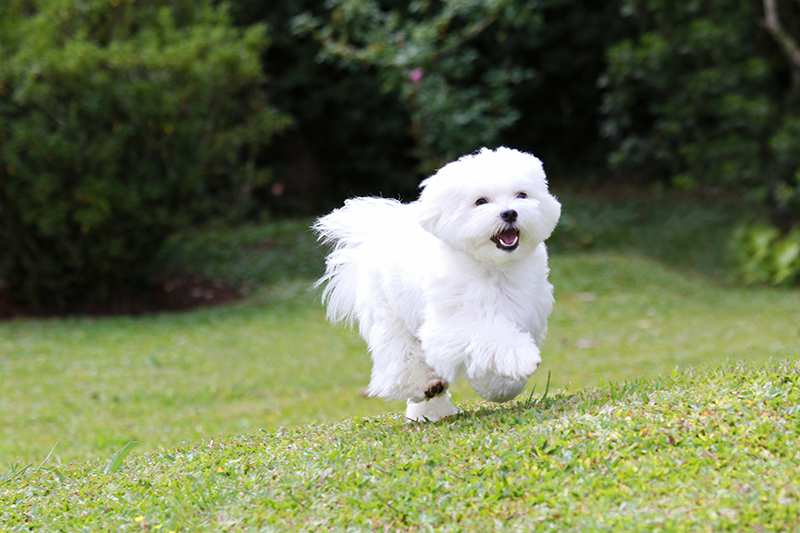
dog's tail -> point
(346, 230)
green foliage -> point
(765, 255)
(694, 450)
(701, 95)
(246, 256)
(433, 57)
(675, 228)
(690, 94)
(560, 105)
(120, 121)
(444, 78)
(785, 145)
(348, 137)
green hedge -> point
(385, 91)
(701, 94)
(687, 95)
(120, 121)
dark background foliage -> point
(518, 73)
(123, 121)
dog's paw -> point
(497, 388)
(526, 363)
(529, 362)
(513, 361)
(435, 387)
(521, 361)
(431, 410)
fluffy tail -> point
(346, 230)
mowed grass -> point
(641, 289)
(711, 450)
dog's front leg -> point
(481, 345)
(497, 346)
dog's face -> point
(493, 205)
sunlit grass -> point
(710, 450)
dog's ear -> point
(429, 212)
(550, 209)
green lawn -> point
(640, 291)
(714, 450)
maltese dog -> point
(454, 284)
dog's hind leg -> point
(400, 373)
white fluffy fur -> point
(431, 410)
(434, 297)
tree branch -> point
(773, 25)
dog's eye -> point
(522, 195)
(481, 201)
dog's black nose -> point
(509, 216)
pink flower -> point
(415, 75)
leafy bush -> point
(120, 121)
(689, 95)
(765, 255)
(785, 145)
(468, 71)
(384, 91)
(560, 105)
(708, 93)
(429, 55)
(348, 136)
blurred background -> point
(160, 155)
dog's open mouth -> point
(507, 239)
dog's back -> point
(365, 234)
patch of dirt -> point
(172, 295)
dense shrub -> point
(429, 54)
(560, 105)
(120, 121)
(384, 91)
(467, 72)
(689, 96)
(785, 193)
(765, 255)
(348, 136)
(701, 94)
(708, 93)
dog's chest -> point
(490, 297)
(515, 301)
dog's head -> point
(493, 205)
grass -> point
(704, 450)
(630, 302)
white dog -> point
(452, 284)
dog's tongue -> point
(507, 237)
